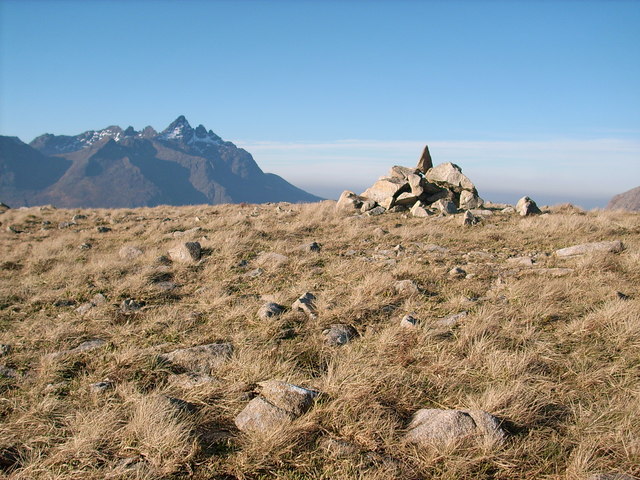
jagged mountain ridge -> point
(113, 167)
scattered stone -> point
(376, 211)
(339, 334)
(97, 300)
(101, 387)
(271, 260)
(406, 287)
(188, 252)
(129, 252)
(78, 216)
(524, 261)
(63, 302)
(349, 201)
(88, 345)
(103, 229)
(203, 359)
(63, 225)
(278, 404)
(526, 207)
(425, 163)
(451, 320)
(469, 219)
(615, 246)
(437, 426)
(457, 272)
(130, 305)
(337, 448)
(312, 247)
(254, 273)
(508, 210)
(164, 260)
(8, 372)
(409, 321)
(306, 304)
(184, 233)
(5, 349)
(270, 309)
(85, 246)
(386, 188)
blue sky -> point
(539, 98)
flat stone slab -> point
(201, 358)
(615, 246)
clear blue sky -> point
(502, 81)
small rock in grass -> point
(8, 372)
(451, 320)
(469, 219)
(440, 427)
(526, 207)
(131, 305)
(101, 387)
(254, 273)
(203, 359)
(409, 321)
(406, 287)
(129, 252)
(312, 247)
(306, 304)
(188, 252)
(615, 246)
(103, 229)
(457, 272)
(270, 309)
(339, 334)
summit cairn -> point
(424, 190)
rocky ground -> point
(309, 341)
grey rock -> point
(185, 233)
(306, 304)
(526, 207)
(523, 261)
(508, 210)
(406, 287)
(451, 320)
(376, 211)
(85, 246)
(270, 309)
(385, 188)
(130, 305)
(425, 163)
(312, 247)
(203, 359)
(402, 173)
(5, 349)
(78, 216)
(271, 260)
(254, 273)
(419, 210)
(349, 201)
(103, 229)
(368, 205)
(450, 176)
(89, 345)
(436, 426)
(63, 225)
(339, 334)
(409, 321)
(337, 448)
(470, 200)
(277, 405)
(615, 246)
(469, 219)
(457, 272)
(188, 252)
(8, 372)
(129, 252)
(406, 199)
(101, 387)
(446, 207)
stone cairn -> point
(424, 190)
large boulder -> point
(434, 426)
(450, 176)
(349, 201)
(470, 200)
(188, 252)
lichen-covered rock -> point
(470, 200)
(437, 426)
(339, 334)
(270, 309)
(306, 303)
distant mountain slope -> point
(629, 200)
(128, 168)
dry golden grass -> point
(557, 358)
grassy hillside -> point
(548, 346)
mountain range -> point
(116, 168)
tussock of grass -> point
(556, 358)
